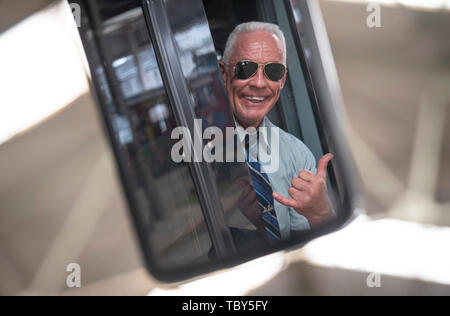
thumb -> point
(323, 164)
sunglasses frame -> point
(264, 69)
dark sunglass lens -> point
(245, 69)
(275, 72)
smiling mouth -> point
(254, 99)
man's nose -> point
(259, 79)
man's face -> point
(253, 98)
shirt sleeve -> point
(303, 159)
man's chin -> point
(251, 121)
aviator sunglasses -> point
(246, 69)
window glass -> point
(132, 94)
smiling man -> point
(294, 198)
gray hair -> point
(251, 27)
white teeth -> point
(256, 99)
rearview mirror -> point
(223, 155)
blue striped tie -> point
(264, 192)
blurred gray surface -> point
(386, 73)
(313, 280)
(61, 200)
(18, 10)
(61, 203)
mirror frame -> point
(323, 86)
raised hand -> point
(309, 195)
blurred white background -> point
(60, 199)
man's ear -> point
(283, 81)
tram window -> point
(296, 111)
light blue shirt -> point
(294, 157)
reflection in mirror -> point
(251, 172)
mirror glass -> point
(141, 120)
(223, 155)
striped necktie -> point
(264, 192)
